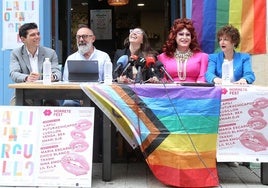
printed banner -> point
(15, 14)
(243, 131)
(46, 146)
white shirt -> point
(100, 56)
(231, 70)
(33, 61)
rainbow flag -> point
(248, 16)
(176, 127)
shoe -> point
(233, 164)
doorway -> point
(153, 17)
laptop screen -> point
(83, 70)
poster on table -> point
(46, 146)
(15, 14)
(243, 130)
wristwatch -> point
(54, 76)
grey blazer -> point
(20, 68)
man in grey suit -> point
(26, 62)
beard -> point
(84, 48)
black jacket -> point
(146, 72)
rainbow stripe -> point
(248, 16)
(175, 127)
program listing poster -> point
(46, 146)
(243, 131)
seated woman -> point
(239, 64)
(138, 50)
(182, 56)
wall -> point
(154, 27)
(260, 67)
(77, 19)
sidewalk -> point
(138, 175)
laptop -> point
(83, 70)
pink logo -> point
(47, 112)
(224, 91)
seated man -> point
(26, 62)
(86, 51)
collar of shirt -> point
(30, 55)
(33, 61)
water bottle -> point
(108, 76)
(226, 80)
(47, 71)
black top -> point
(146, 72)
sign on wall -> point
(15, 14)
(46, 146)
(101, 23)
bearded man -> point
(86, 51)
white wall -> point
(260, 67)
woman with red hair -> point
(182, 56)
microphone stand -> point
(139, 77)
(139, 64)
(166, 73)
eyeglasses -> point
(135, 31)
(84, 37)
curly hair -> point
(179, 24)
(230, 31)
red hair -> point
(179, 24)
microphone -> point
(132, 60)
(161, 67)
(121, 63)
(140, 62)
(139, 65)
(150, 62)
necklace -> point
(181, 58)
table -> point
(57, 90)
(61, 91)
(105, 97)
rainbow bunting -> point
(176, 127)
(248, 16)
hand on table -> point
(32, 77)
(242, 81)
(124, 79)
(217, 81)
